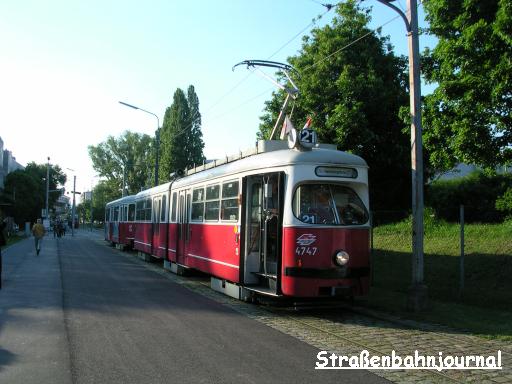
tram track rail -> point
(266, 313)
(325, 329)
(362, 345)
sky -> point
(65, 65)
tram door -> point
(155, 225)
(115, 227)
(263, 225)
(183, 226)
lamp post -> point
(92, 220)
(417, 298)
(47, 186)
(74, 207)
(157, 137)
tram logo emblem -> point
(306, 239)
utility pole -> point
(418, 292)
(92, 221)
(73, 209)
(47, 186)
(157, 137)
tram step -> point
(266, 276)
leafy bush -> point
(504, 202)
(480, 193)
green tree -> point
(354, 92)
(195, 145)
(181, 136)
(468, 118)
(23, 197)
(24, 193)
(104, 192)
(130, 156)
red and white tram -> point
(281, 222)
(120, 222)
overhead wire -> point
(217, 102)
(313, 22)
(349, 44)
(304, 70)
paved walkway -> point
(83, 312)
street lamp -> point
(417, 298)
(47, 186)
(157, 137)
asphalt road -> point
(81, 312)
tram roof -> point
(155, 190)
(277, 158)
(122, 200)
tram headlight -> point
(341, 258)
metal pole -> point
(461, 260)
(91, 211)
(157, 136)
(372, 258)
(73, 209)
(47, 186)
(418, 292)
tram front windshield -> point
(328, 204)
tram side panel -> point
(308, 268)
(143, 237)
(126, 233)
(159, 240)
(214, 249)
(172, 245)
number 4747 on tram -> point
(276, 221)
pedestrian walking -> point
(38, 231)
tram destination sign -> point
(349, 173)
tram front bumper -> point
(315, 282)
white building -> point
(8, 163)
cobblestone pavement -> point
(347, 333)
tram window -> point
(197, 204)
(230, 189)
(328, 204)
(229, 206)
(173, 211)
(212, 210)
(163, 212)
(131, 212)
(142, 211)
(147, 215)
(139, 210)
(212, 203)
(212, 192)
(116, 214)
